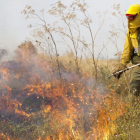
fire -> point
(41, 107)
(3, 137)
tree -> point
(69, 31)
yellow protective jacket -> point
(131, 44)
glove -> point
(121, 67)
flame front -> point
(34, 104)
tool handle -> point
(118, 72)
(123, 70)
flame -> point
(3, 137)
(70, 109)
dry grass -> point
(125, 125)
(128, 125)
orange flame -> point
(67, 110)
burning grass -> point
(36, 104)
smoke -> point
(3, 52)
(31, 91)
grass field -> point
(36, 103)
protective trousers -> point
(135, 81)
(135, 73)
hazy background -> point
(13, 25)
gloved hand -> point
(121, 67)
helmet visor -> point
(130, 17)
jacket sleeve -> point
(128, 50)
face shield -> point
(133, 23)
(130, 17)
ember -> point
(34, 104)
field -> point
(36, 103)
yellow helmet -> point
(133, 9)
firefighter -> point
(131, 50)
